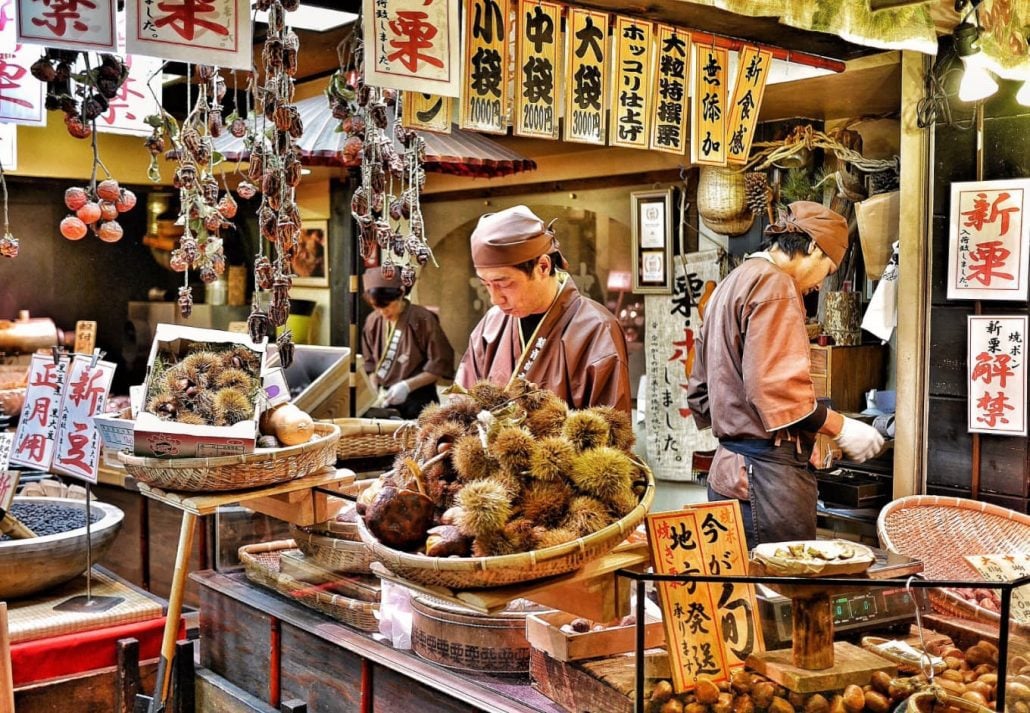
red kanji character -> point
(60, 12)
(978, 216)
(85, 387)
(77, 449)
(49, 378)
(991, 256)
(10, 78)
(418, 33)
(5, 486)
(40, 411)
(121, 101)
(993, 408)
(35, 444)
(988, 366)
(184, 17)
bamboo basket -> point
(337, 554)
(372, 437)
(261, 566)
(484, 572)
(722, 201)
(261, 468)
(940, 531)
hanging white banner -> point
(216, 32)
(68, 24)
(8, 25)
(21, 94)
(415, 45)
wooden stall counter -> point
(275, 650)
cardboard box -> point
(155, 437)
(544, 633)
(319, 378)
(879, 220)
(115, 431)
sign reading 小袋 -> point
(484, 94)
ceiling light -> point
(977, 82)
(306, 17)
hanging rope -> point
(805, 138)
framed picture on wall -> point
(652, 241)
(310, 263)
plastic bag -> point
(395, 615)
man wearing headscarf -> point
(540, 327)
(406, 351)
(751, 382)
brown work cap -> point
(373, 278)
(828, 229)
(509, 237)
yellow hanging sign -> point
(631, 83)
(426, 112)
(586, 87)
(752, 73)
(669, 110)
(537, 69)
(484, 100)
(708, 120)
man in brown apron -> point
(751, 379)
(405, 349)
(540, 327)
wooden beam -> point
(6, 674)
(579, 184)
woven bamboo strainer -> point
(337, 554)
(373, 437)
(263, 467)
(483, 572)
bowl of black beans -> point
(58, 551)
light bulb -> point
(977, 82)
(1023, 95)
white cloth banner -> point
(21, 94)
(8, 25)
(881, 316)
(125, 112)
(216, 32)
(68, 25)
(672, 325)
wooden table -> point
(302, 501)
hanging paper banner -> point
(9, 147)
(671, 90)
(673, 322)
(413, 45)
(68, 24)
(752, 73)
(426, 112)
(708, 120)
(484, 95)
(537, 67)
(631, 83)
(997, 374)
(688, 610)
(78, 442)
(37, 427)
(126, 111)
(586, 87)
(218, 32)
(8, 25)
(989, 240)
(21, 94)
(6, 479)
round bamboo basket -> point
(484, 572)
(722, 201)
(373, 437)
(333, 553)
(263, 467)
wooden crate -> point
(844, 374)
(544, 633)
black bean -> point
(46, 518)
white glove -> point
(858, 440)
(397, 394)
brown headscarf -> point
(373, 277)
(828, 229)
(509, 237)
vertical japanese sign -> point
(688, 610)
(413, 45)
(69, 24)
(586, 84)
(37, 428)
(673, 322)
(6, 480)
(631, 83)
(426, 112)
(997, 375)
(8, 25)
(708, 115)
(21, 94)
(989, 240)
(216, 31)
(752, 73)
(537, 68)
(671, 91)
(1007, 567)
(77, 449)
(484, 92)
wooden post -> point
(128, 675)
(6, 674)
(812, 617)
(184, 679)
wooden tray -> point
(544, 632)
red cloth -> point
(69, 654)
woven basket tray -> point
(263, 467)
(261, 565)
(337, 554)
(372, 437)
(483, 572)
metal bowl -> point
(39, 563)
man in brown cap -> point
(406, 351)
(541, 328)
(751, 382)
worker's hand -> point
(859, 441)
(397, 394)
